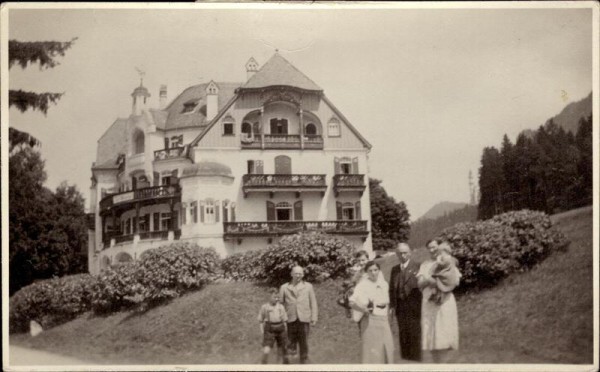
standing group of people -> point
(419, 295)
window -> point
(194, 212)
(310, 129)
(283, 164)
(138, 140)
(165, 221)
(283, 211)
(333, 128)
(156, 221)
(279, 126)
(176, 141)
(255, 167)
(209, 212)
(346, 167)
(128, 226)
(189, 106)
(166, 180)
(347, 211)
(183, 211)
(144, 223)
(228, 129)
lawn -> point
(541, 316)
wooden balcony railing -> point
(160, 234)
(281, 141)
(273, 182)
(171, 153)
(145, 193)
(349, 182)
(276, 228)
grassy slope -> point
(543, 316)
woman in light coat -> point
(371, 298)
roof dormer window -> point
(189, 106)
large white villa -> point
(232, 166)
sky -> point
(428, 88)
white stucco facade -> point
(233, 167)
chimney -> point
(212, 100)
(140, 98)
(162, 97)
(251, 67)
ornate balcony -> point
(348, 182)
(146, 195)
(282, 141)
(278, 228)
(171, 153)
(283, 182)
(146, 235)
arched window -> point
(138, 141)
(310, 129)
(333, 128)
(123, 257)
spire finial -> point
(142, 73)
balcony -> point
(146, 195)
(283, 182)
(282, 141)
(278, 228)
(145, 235)
(171, 153)
(348, 182)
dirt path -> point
(19, 356)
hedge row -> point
(160, 274)
(488, 251)
(322, 256)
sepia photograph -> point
(300, 186)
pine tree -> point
(491, 183)
(25, 53)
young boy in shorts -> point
(273, 325)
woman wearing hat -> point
(437, 278)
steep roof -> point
(196, 94)
(278, 71)
(112, 142)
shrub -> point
(490, 250)
(161, 274)
(50, 302)
(167, 272)
(384, 245)
(322, 256)
(244, 266)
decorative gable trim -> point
(345, 121)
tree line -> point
(424, 229)
(47, 229)
(549, 170)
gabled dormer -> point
(251, 67)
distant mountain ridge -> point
(440, 209)
(569, 117)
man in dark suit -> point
(405, 300)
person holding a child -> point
(437, 278)
(370, 298)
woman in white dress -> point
(371, 298)
(439, 316)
